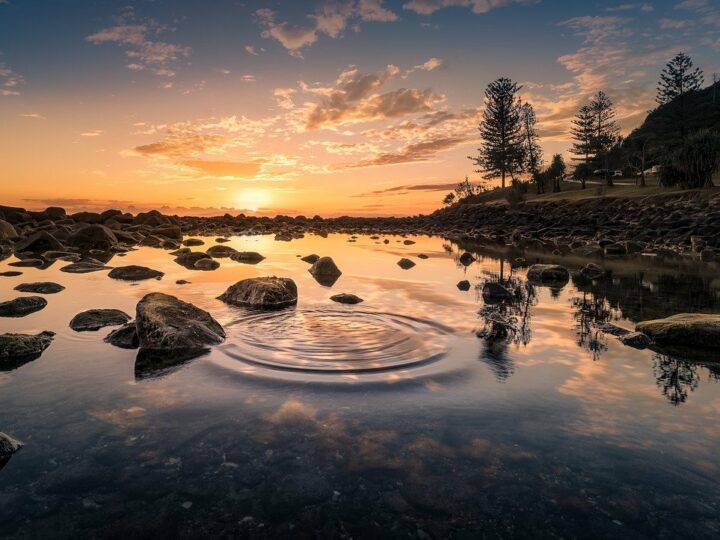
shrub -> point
(698, 159)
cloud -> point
(428, 7)
(236, 169)
(284, 97)
(675, 24)
(251, 50)
(144, 52)
(644, 7)
(412, 153)
(180, 145)
(9, 81)
(248, 78)
(405, 189)
(92, 133)
(36, 116)
(373, 10)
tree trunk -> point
(503, 179)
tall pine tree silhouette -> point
(582, 132)
(676, 80)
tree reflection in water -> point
(675, 377)
(589, 311)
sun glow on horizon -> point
(253, 199)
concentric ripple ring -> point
(335, 340)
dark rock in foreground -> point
(93, 237)
(22, 306)
(28, 263)
(221, 251)
(548, 274)
(38, 243)
(466, 259)
(11, 273)
(312, 258)
(84, 267)
(134, 273)
(8, 445)
(692, 330)
(124, 337)
(165, 323)
(463, 285)
(41, 287)
(18, 346)
(405, 264)
(247, 257)
(346, 298)
(95, 319)
(637, 340)
(325, 271)
(263, 292)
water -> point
(389, 418)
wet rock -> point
(84, 267)
(188, 259)
(38, 243)
(346, 298)
(263, 292)
(125, 337)
(422, 256)
(22, 306)
(95, 319)
(193, 242)
(408, 242)
(11, 273)
(41, 287)
(692, 330)
(312, 259)
(463, 285)
(165, 323)
(172, 232)
(182, 282)
(612, 329)
(466, 259)
(615, 249)
(28, 263)
(592, 271)
(93, 237)
(405, 264)
(206, 264)
(495, 292)
(637, 340)
(7, 231)
(325, 271)
(283, 237)
(64, 255)
(222, 240)
(221, 251)
(134, 272)
(8, 445)
(551, 274)
(16, 348)
(247, 257)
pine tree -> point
(502, 152)
(677, 79)
(605, 130)
(582, 132)
(533, 151)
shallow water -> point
(389, 418)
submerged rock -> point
(134, 273)
(405, 264)
(548, 274)
(346, 298)
(247, 257)
(16, 349)
(95, 319)
(84, 267)
(166, 323)
(692, 330)
(41, 287)
(22, 306)
(263, 292)
(125, 337)
(8, 445)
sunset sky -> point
(363, 107)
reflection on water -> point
(389, 418)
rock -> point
(11, 273)
(15, 347)
(346, 298)
(463, 285)
(206, 264)
(172, 232)
(7, 231)
(262, 292)
(325, 271)
(615, 249)
(41, 287)
(495, 292)
(8, 445)
(692, 330)
(64, 255)
(22, 306)
(466, 259)
(193, 242)
(310, 258)
(247, 257)
(405, 264)
(84, 267)
(551, 274)
(93, 237)
(182, 282)
(422, 256)
(38, 243)
(637, 340)
(189, 258)
(125, 337)
(707, 255)
(408, 242)
(165, 323)
(222, 240)
(134, 273)
(221, 251)
(28, 263)
(95, 319)
(612, 329)
(592, 271)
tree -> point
(677, 79)
(533, 152)
(556, 171)
(582, 132)
(502, 152)
(449, 199)
(605, 132)
(637, 152)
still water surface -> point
(387, 419)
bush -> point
(668, 174)
(698, 159)
(583, 171)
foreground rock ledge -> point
(696, 330)
(263, 292)
(166, 323)
(8, 445)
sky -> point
(338, 107)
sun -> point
(252, 199)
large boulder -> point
(95, 319)
(134, 272)
(7, 230)
(165, 323)
(14, 346)
(22, 306)
(93, 237)
(692, 330)
(221, 251)
(325, 271)
(169, 231)
(39, 242)
(548, 274)
(41, 287)
(263, 292)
